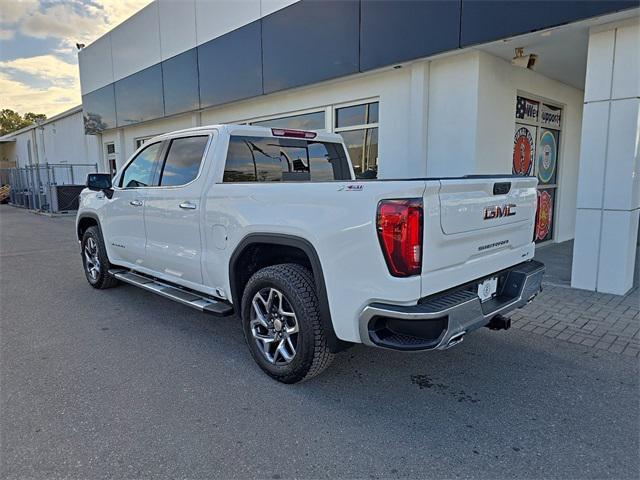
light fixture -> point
(524, 61)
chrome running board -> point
(175, 293)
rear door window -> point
(269, 159)
(183, 160)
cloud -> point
(60, 21)
(13, 11)
(6, 34)
(24, 98)
(71, 21)
(47, 67)
(64, 24)
(61, 90)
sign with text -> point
(550, 116)
(527, 109)
(524, 149)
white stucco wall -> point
(472, 100)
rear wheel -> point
(95, 261)
(281, 323)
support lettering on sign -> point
(550, 116)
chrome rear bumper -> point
(442, 320)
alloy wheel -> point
(92, 261)
(274, 326)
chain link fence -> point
(51, 187)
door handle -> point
(188, 206)
(136, 203)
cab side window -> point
(140, 172)
(183, 161)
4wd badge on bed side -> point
(351, 188)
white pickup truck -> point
(272, 224)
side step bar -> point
(172, 292)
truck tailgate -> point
(474, 227)
(471, 205)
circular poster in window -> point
(523, 150)
(547, 152)
(544, 215)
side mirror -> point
(99, 181)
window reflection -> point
(362, 146)
(140, 172)
(139, 96)
(266, 159)
(357, 115)
(183, 160)
(99, 110)
(305, 121)
(362, 143)
(180, 83)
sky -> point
(38, 55)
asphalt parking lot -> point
(122, 383)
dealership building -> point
(416, 89)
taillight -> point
(399, 225)
(286, 132)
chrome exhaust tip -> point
(455, 339)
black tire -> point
(312, 355)
(100, 278)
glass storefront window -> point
(536, 153)
(362, 146)
(358, 125)
(357, 115)
(305, 121)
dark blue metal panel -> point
(230, 67)
(99, 110)
(487, 20)
(308, 42)
(139, 96)
(397, 31)
(316, 40)
(180, 83)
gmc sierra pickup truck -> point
(272, 225)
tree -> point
(11, 121)
(35, 117)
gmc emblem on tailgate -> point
(497, 211)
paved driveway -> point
(121, 383)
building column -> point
(121, 150)
(418, 115)
(608, 200)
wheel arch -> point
(86, 220)
(281, 248)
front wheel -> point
(281, 323)
(95, 261)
